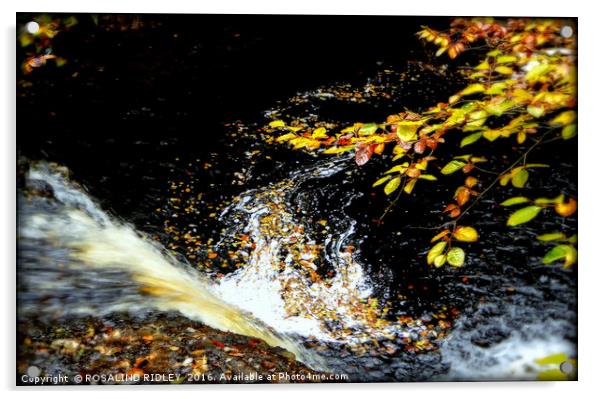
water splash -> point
(76, 259)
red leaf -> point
(420, 146)
(363, 153)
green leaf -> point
(381, 181)
(520, 179)
(435, 251)
(470, 139)
(452, 166)
(523, 215)
(392, 185)
(455, 257)
(515, 201)
(562, 251)
(547, 201)
(551, 237)
(569, 131)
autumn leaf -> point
(410, 186)
(338, 150)
(392, 185)
(466, 234)
(363, 153)
(381, 181)
(435, 251)
(566, 209)
(277, 124)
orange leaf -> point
(462, 195)
(566, 208)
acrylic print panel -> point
(247, 199)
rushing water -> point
(305, 282)
(75, 259)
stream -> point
(232, 231)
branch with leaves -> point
(523, 89)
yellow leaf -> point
(565, 118)
(392, 185)
(381, 181)
(277, 124)
(435, 251)
(466, 234)
(319, 133)
(338, 150)
(472, 89)
(410, 186)
(504, 70)
(286, 137)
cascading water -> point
(77, 260)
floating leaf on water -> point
(523, 215)
(285, 137)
